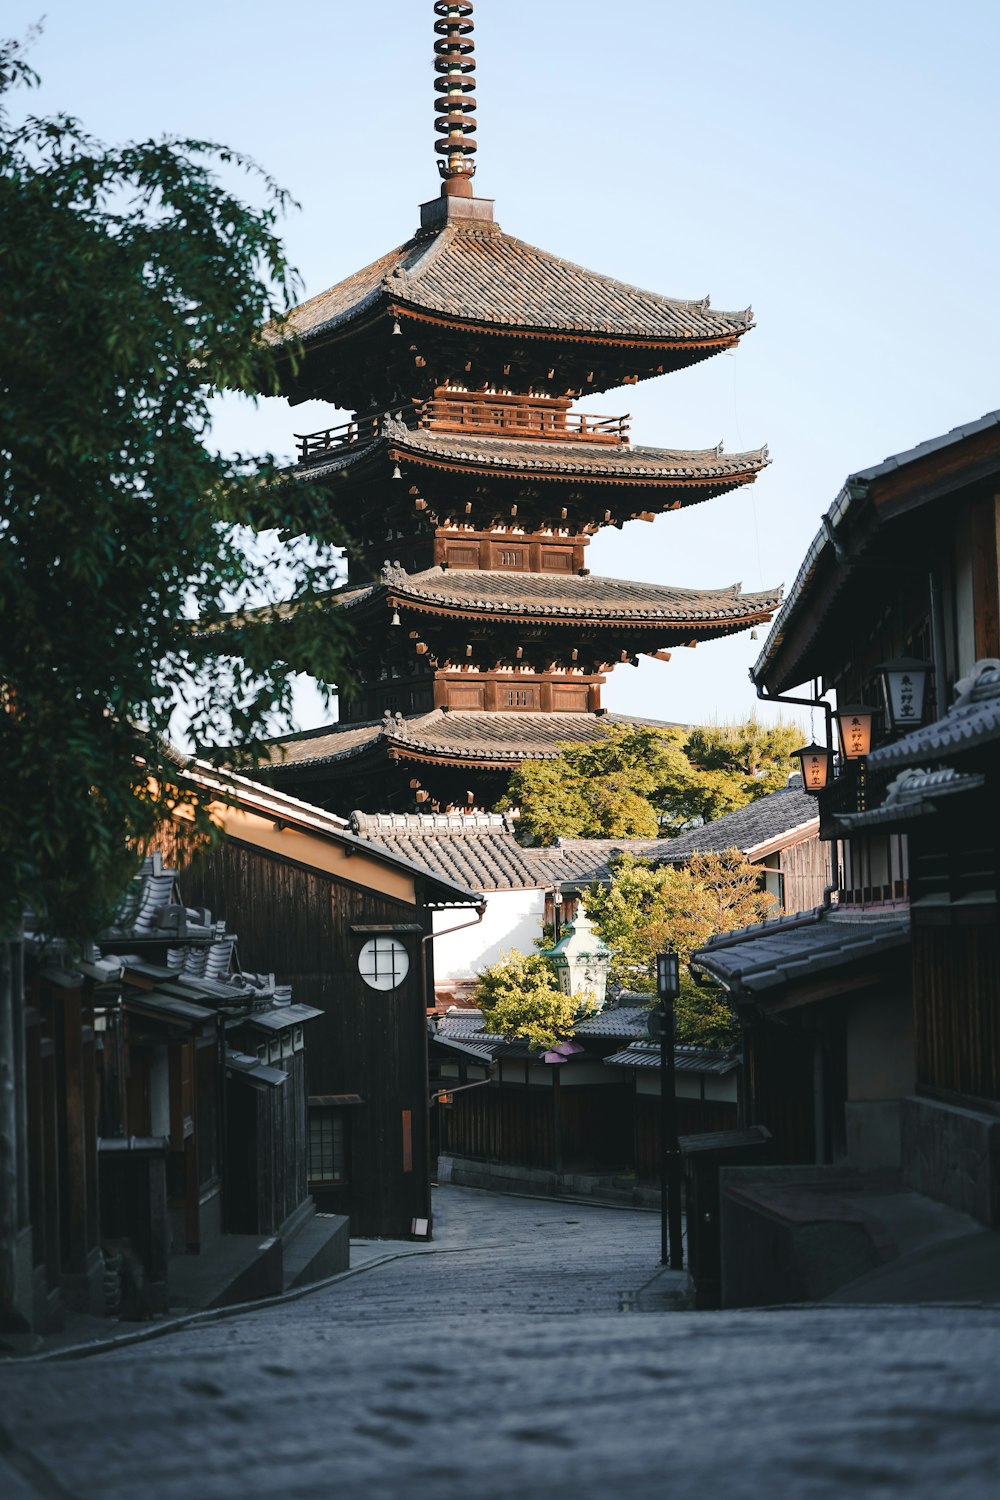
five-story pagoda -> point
(472, 489)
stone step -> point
(320, 1247)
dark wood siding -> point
(297, 923)
(510, 1122)
(780, 1077)
(549, 1127)
(956, 1007)
(694, 1116)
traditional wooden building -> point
(472, 488)
(871, 1023)
(350, 927)
(526, 1120)
(944, 799)
(159, 1118)
(903, 567)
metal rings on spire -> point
(455, 65)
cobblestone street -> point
(531, 1352)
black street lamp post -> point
(667, 990)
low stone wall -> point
(953, 1155)
(787, 1237)
(498, 1177)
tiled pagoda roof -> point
(482, 739)
(594, 600)
(545, 459)
(476, 274)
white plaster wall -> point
(513, 920)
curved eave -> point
(509, 469)
(680, 625)
(442, 755)
(381, 306)
(496, 466)
(702, 346)
(377, 312)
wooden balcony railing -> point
(314, 446)
(497, 417)
(527, 419)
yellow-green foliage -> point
(520, 997)
(647, 908)
(638, 782)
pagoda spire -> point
(455, 120)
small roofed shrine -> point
(472, 487)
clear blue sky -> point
(833, 166)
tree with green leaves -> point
(520, 997)
(647, 908)
(135, 286)
(733, 764)
(636, 781)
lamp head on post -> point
(668, 976)
(817, 768)
(904, 689)
(581, 960)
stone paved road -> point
(504, 1369)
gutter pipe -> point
(429, 937)
(828, 711)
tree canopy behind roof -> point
(636, 781)
(135, 286)
(647, 908)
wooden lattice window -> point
(327, 1146)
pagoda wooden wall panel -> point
(465, 695)
(956, 1008)
(461, 554)
(571, 699)
(298, 923)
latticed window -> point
(383, 963)
(327, 1146)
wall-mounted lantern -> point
(855, 724)
(817, 767)
(904, 689)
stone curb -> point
(218, 1314)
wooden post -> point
(557, 1159)
(76, 1131)
(11, 1131)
